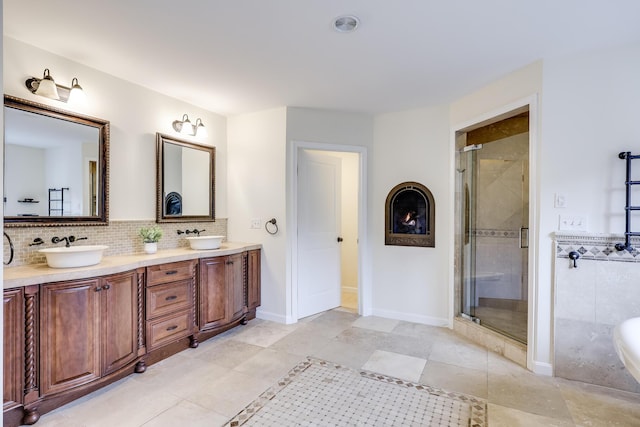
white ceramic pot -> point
(151, 248)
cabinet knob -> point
(105, 287)
(340, 239)
(98, 289)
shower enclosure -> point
(493, 224)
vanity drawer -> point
(165, 273)
(169, 328)
(169, 297)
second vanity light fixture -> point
(48, 88)
(184, 127)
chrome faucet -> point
(195, 231)
(67, 240)
(56, 240)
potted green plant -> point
(150, 237)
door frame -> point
(533, 317)
(364, 283)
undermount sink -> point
(205, 242)
(74, 256)
(626, 340)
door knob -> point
(340, 239)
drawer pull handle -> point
(169, 273)
(170, 298)
(171, 328)
(98, 289)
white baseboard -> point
(410, 317)
(542, 368)
(273, 317)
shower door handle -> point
(524, 237)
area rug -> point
(321, 393)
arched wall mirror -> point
(185, 181)
(56, 166)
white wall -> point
(135, 113)
(256, 189)
(590, 115)
(412, 283)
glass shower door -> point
(495, 254)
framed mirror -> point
(56, 166)
(185, 181)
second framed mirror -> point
(185, 180)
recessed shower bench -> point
(71, 331)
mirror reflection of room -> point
(50, 166)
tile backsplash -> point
(121, 237)
(590, 301)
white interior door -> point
(319, 186)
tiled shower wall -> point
(590, 301)
(121, 237)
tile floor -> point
(208, 385)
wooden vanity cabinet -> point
(13, 351)
(221, 291)
(88, 329)
(170, 303)
(253, 282)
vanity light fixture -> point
(200, 129)
(185, 127)
(48, 88)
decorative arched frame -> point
(410, 216)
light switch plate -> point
(573, 223)
(255, 223)
(560, 201)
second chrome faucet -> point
(67, 240)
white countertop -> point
(34, 274)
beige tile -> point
(396, 365)
(352, 356)
(455, 378)
(228, 353)
(304, 341)
(265, 334)
(269, 364)
(528, 392)
(187, 413)
(230, 393)
(129, 403)
(500, 416)
(376, 323)
(460, 352)
(595, 405)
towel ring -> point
(10, 247)
(270, 230)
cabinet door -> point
(235, 278)
(69, 334)
(253, 285)
(13, 352)
(213, 293)
(120, 316)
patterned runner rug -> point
(321, 393)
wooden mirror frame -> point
(160, 179)
(103, 126)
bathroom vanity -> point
(68, 332)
